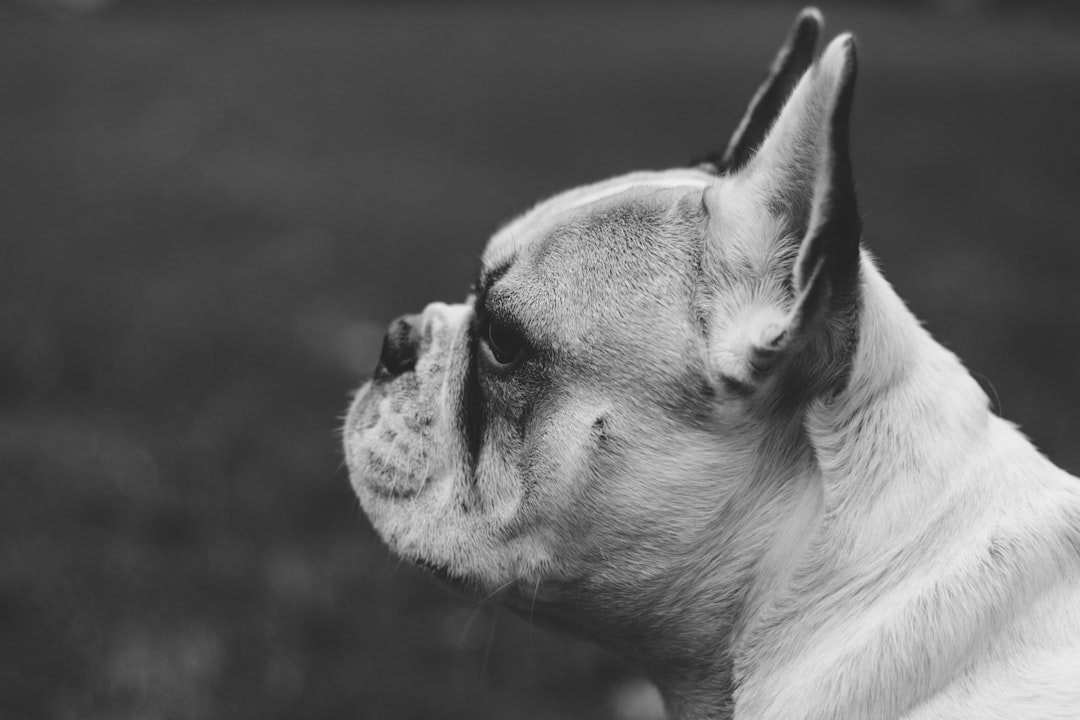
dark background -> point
(209, 211)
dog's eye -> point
(504, 341)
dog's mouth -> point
(443, 572)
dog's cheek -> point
(499, 485)
(566, 455)
(502, 408)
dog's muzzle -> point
(400, 434)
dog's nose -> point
(400, 347)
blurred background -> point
(209, 211)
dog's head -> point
(596, 432)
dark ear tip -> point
(842, 54)
(807, 29)
(851, 64)
(810, 18)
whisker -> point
(487, 649)
(498, 590)
(478, 610)
(532, 632)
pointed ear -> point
(791, 61)
(782, 253)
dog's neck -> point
(905, 395)
(882, 453)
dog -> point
(683, 414)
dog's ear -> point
(780, 266)
(791, 61)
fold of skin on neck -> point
(873, 584)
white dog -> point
(683, 414)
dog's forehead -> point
(527, 228)
(607, 271)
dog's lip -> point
(438, 569)
(443, 572)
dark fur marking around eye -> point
(488, 277)
(472, 407)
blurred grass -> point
(208, 214)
